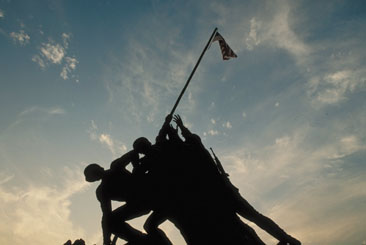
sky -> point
(81, 80)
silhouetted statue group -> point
(177, 180)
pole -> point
(193, 71)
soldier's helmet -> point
(141, 145)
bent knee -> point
(148, 227)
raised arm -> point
(164, 130)
(185, 131)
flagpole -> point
(193, 71)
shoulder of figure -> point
(194, 138)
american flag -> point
(226, 51)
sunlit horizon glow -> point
(81, 81)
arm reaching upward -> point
(185, 131)
(164, 129)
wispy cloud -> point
(92, 131)
(333, 67)
(2, 15)
(253, 40)
(292, 184)
(20, 37)
(272, 28)
(37, 59)
(40, 112)
(5, 178)
(50, 111)
(334, 87)
(114, 146)
(34, 209)
(108, 141)
(56, 111)
(152, 73)
(333, 74)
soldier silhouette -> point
(118, 184)
(181, 192)
(152, 167)
(230, 193)
(177, 180)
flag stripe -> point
(226, 51)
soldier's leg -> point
(123, 230)
(151, 226)
(248, 212)
(249, 233)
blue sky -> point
(81, 80)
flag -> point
(226, 51)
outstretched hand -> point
(178, 120)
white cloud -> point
(37, 59)
(108, 141)
(227, 125)
(66, 38)
(283, 180)
(244, 115)
(277, 30)
(271, 27)
(71, 62)
(213, 121)
(5, 178)
(329, 227)
(92, 131)
(123, 148)
(146, 91)
(38, 209)
(53, 52)
(63, 73)
(113, 145)
(333, 88)
(334, 67)
(56, 111)
(252, 40)
(93, 125)
(70, 65)
(213, 132)
(2, 15)
(21, 37)
(283, 141)
(285, 37)
(346, 146)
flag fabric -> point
(226, 51)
